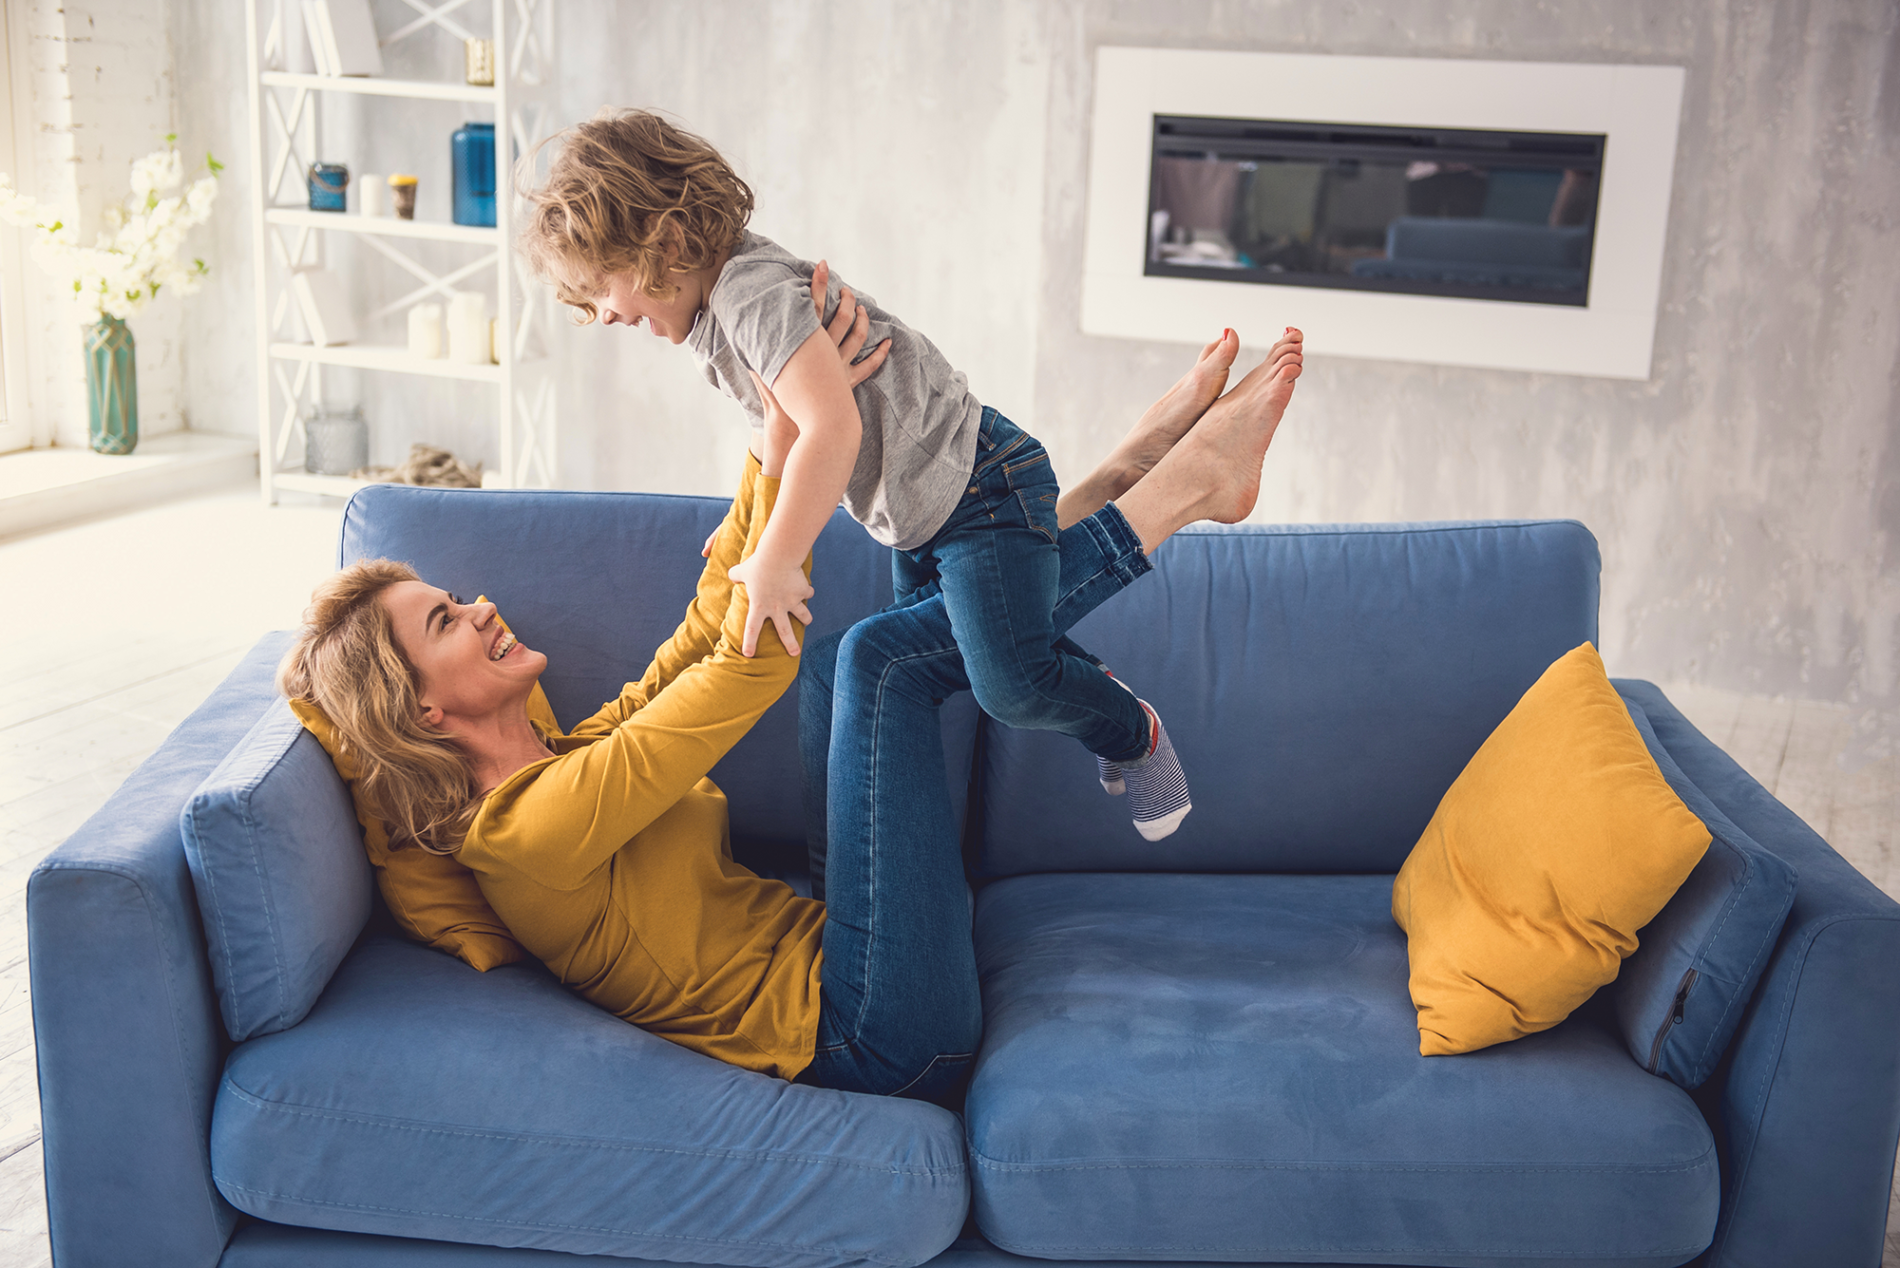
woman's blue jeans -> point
(900, 1009)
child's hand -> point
(777, 594)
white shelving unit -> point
(287, 235)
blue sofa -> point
(1195, 1051)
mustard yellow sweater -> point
(611, 861)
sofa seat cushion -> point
(423, 1099)
(1221, 1067)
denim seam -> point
(824, 1255)
(941, 1056)
(877, 713)
(1097, 713)
(388, 1123)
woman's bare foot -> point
(1156, 432)
(1214, 472)
(1179, 408)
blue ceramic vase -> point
(472, 160)
(112, 387)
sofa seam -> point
(211, 1192)
(410, 1125)
(1762, 947)
(228, 996)
(261, 867)
(1692, 1164)
(1764, 1087)
(1354, 530)
(1021, 1248)
(827, 1256)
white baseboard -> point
(44, 488)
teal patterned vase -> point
(112, 387)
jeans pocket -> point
(1039, 509)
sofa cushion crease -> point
(1267, 1089)
(400, 1107)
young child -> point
(642, 223)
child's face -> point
(623, 302)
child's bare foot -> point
(1214, 472)
(1169, 418)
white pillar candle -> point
(468, 328)
(425, 331)
(371, 195)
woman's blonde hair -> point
(346, 662)
(629, 192)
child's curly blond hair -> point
(629, 192)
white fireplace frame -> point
(1636, 107)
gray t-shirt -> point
(920, 421)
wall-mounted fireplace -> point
(1477, 214)
(1503, 214)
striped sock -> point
(1157, 786)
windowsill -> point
(40, 488)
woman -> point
(604, 848)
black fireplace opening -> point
(1461, 212)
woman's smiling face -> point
(469, 666)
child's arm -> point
(814, 388)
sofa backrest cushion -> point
(597, 581)
(283, 884)
(1681, 994)
(1322, 685)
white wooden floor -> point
(152, 609)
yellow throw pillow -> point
(433, 898)
(1558, 841)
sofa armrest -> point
(124, 1012)
(1807, 1103)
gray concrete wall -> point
(1745, 497)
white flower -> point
(136, 251)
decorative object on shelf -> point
(335, 442)
(425, 331)
(325, 308)
(112, 387)
(427, 465)
(342, 37)
(134, 256)
(472, 153)
(327, 183)
(468, 328)
(419, 255)
(402, 195)
(479, 60)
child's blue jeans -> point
(900, 1008)
(996, 563)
